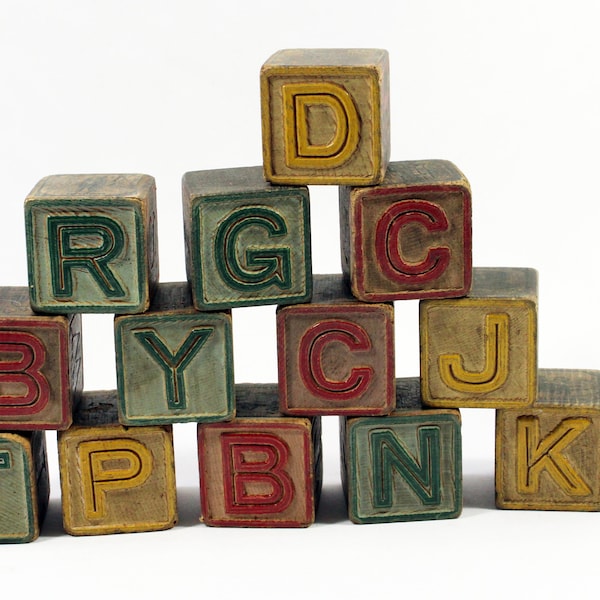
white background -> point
(509, 91)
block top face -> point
(505, 282)
(97, 408)
(15, 302)
(257, 400)
(568, 389)
(292, 58)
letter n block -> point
(481, 351)
(115, 479)
(261, 469)
(41, 371)
(547, 455)
(174, 364)
(410, 236)
(247, 241)
(91, 243)
(405, 466)
(335, 355)
(325, 116)
(24, 485)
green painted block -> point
(247, 241)
(174, 364)
(405, 466)
(92, 243)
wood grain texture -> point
(325, 116)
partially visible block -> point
(335, 355)
(174, 364)
(41, 373)
(547, 455)
(24, 486)
(91, 243)
(262, 469)
(481, 351)
(115, 479)
(410, 236)
(325, 116)
(247, 241)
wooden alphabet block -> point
(325, 116)
(247, 241)
(410, 236)
(91, 243)
(481, 351)
(262, 469)
(115, 479)
(335, 355)
(41, 371)
(547, 455)
(24, 485)
(174, 364)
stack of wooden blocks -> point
(405, 234)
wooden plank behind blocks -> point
(409, 236)
(325, 116)
(91, 243)
(247, 241)
(403, 467)
(547, 455)
(481, 351)
(261, 469)
(335, 355)
(41, 372)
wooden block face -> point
(257, 473)
(410, 236)
(325, 116)
(40, 365)
(248, 242)
(91, 243)
(116, 479)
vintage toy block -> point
(115, 479)
(41, 372)
(262, 469)
(91, 243)
(403, 467)
(410, 236)
(335, 355)
(325, 116)
(174, 364)
(24, 485)
(481, 351)
(247, 241)
(547, 455)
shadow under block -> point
(410, 236)
(406, 466)
(174, 364)
(247, 241)
(91, 243)
(547, 455)
(261, 469)
(24, 486)
(41, 373)
(115, 479)
(481, 351)
(325, 116)
(335, 355)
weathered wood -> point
(325, 116)
(91, 243)
(410, 236)
(481, 351)
(247, 241)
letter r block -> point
(410, 236)
(247, 241)
(325, 116)
(91, 243)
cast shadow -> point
(479, 491)
(332, 505)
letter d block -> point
(410, 236)
(247, 241)
(91, 243)
(325, 116)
